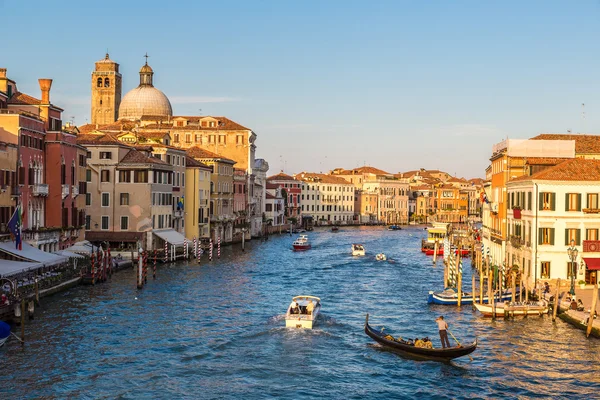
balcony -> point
(65, 191)
(516, 242)
(591, 246)
(203, 202)
(74, 190)
(591, 210)
(40, 189)
(203, 221)
(177, 213)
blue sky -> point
(398, 85)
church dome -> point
(145, 100)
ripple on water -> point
(218, 330)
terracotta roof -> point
(477, 181)
(119, 126)
(321, 178)
(544, 160)
(22, 98)
(574, 169)
(192, 163)
(227, 124)
(270, 196)
(272, 186)
(137, 157)
(453, 179)
(198, 152)
(421, 187)
(361, 170)
(586, 144)
(281, 177)
(105, 139)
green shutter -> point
(579, 202)
(540, 232)
(587, 201)
(552, 236)
(553, 201)
(578, 237)
(541, 202)
(566, 201)
(529, 200)
(566, 237)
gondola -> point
(446, 354)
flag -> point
(180, 204)
(14, 225)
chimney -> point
(45, 85)
(3, 81)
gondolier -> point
(443, 328)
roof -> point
(198, 152)
(272, 186)
(137, 157)
(281, 177)
(22, 98)
(226, 124)
(583, 143)
(544, 160)
(361, 170)
(118, 126)
(193, 163)
(574, 169)
(270, 196)
(321, 178)
(102, 139)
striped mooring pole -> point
(154, 271)
(166, 251)
(219, 246)
(210, 250)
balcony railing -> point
(516, 242)
(591, 210)
(40, 189)
(177, 213)
(65, 191)
(74, 190)
(591, 246)
(203, 221)
(203, 202)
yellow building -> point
(222, 216)
(451, 204)
(197, 196)
(8, 164)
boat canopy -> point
(297, 298)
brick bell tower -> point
(106, 92)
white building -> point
(274, 206)
(328, 199)
(550, 211)
(257, 196)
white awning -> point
(81, 247)
(9, 267)
(171, 236)
(30, 253)
(67, 253)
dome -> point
(144, 100)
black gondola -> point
(446, 354)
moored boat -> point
(509, 309)
(303, 312)
(301, 243)
(358, 250)
(407, 347)
(450, 297)
(4, 332)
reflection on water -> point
(217, 330)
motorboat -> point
(420, 350)
(380, 257)
(510, 309)
(334, 229)
(303, 312)
(394, 228)
(449, 297)
(358, 250)
(301, 243)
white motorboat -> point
(358, 250)
(303, 312)
(509, 309)
(301, 243)
(380, 257)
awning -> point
(80, 247)
(100, 236)
(9, 267)
(171, 236)
(592, 263)
(30, 253)
(67, 253)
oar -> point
(454, 337)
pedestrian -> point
(443, 328)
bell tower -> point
(106, 92)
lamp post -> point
(572, 252)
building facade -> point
(329, 199)
(197, 197)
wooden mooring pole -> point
(592, 310)
(22, 322)
(556, 300)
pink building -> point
(291, 189)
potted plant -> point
(582, 284)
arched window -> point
(106, 82)
(99, 82)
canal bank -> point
(216, 330)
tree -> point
(285, 201)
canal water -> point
(217, 331)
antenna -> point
(583, 117)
